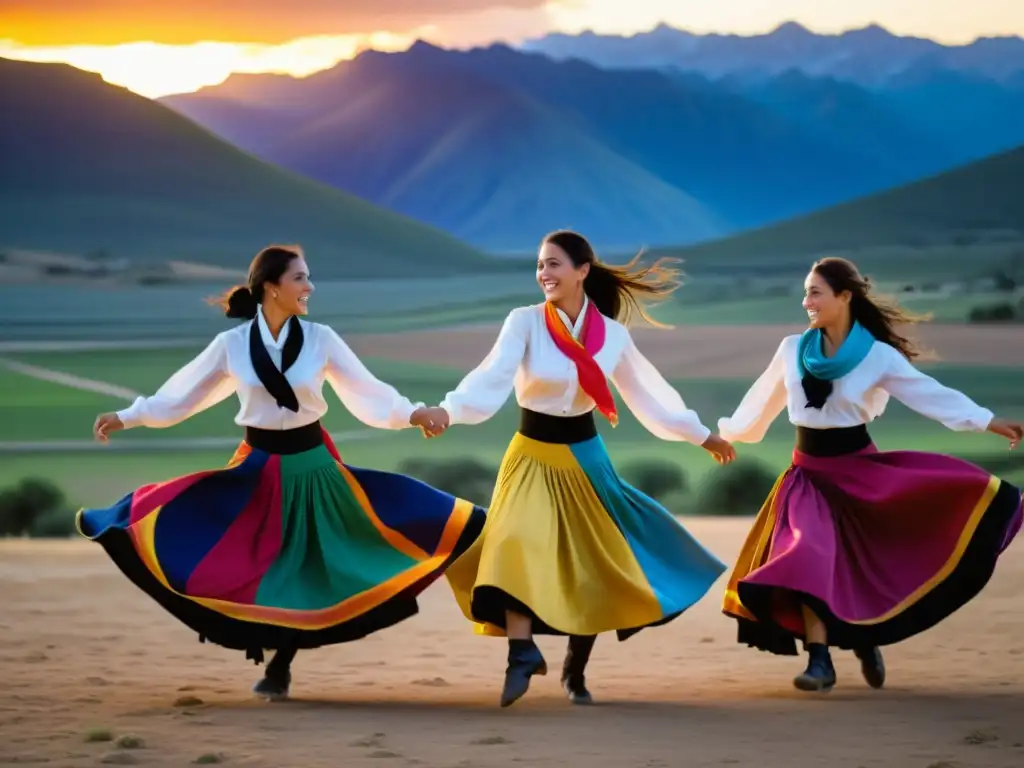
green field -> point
(71, 312)
(35, 411)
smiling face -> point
(825, 308)
(557, 276)
(291, 293)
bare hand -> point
(1011, 430)
(721, 450)
(105, 424)
(432, 421)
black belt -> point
(285, 441)
(832, 442)
(565, 430)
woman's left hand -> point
(1011, 430)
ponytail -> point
(243, 301)
(237, 302)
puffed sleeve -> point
(485, 389)
(369, 399)
(655, 403)
(920, 392)
(761, 405)
(200, 384)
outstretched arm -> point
(655, 403)
(485, 389)
(369, 399)
(761, 405)
(200, 384)
(951, 408)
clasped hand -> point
(431, 421)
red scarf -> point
(591, 377)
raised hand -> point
(432, 421)
(1011, 430)
(721, 450)
(105, 424)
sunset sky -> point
(156, 47)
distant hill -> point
(89, 166)
(977, 202)
(497, 146)
(868, 56)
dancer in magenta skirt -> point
(857, 548)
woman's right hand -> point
(719, 448)
(1011, 430)
(105, 424)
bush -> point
(739, 488)
(1002, 312)
(657, 479)
(35, 507)
(466, 478)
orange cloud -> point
(179, 22)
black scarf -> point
(273, 379)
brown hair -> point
(616, 289)
(267, 266)
(878, 315)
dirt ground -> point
(83, 651)
(698, 351)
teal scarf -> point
(817, 372)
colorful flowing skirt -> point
(572, 546)
(879, 545)
(286, 547)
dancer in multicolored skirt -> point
(857, 548)
(569, 548)
(286, 547)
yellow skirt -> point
(572, 546)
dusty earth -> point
(698, 351)
(85, 656)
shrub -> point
(35, 507)
(466, 478)
(739, 488)
(1001, 312)
(657, 479)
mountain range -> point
(977, 206)
(498, 146)
(89, 166)
(870, 56)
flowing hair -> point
(879, 315)
(620, 291)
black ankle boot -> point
(524, 661)
(820, 675)
(277, 680)
(576, 657)
(871, 665)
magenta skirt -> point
(880, 545)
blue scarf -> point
(817, 372)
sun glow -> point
(157, 69)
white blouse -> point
(225, 367)
(857, 398)
(525, 358)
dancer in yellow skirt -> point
(568, 547)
